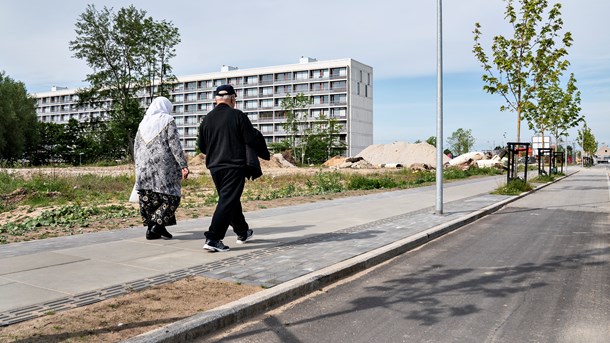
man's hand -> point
(185, 173)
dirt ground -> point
(130, 315)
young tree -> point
(461, 141)
(587, 141)
(528, 59)
(431, 140)
(295, 111)
(566, 109)
(18, 123)
(128, 52)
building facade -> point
(339, 89)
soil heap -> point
(403, 153)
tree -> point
(461, 141)
(295, 111)
(129, 54)
(431, 140)
(587, 141)
(18, 122)
(527, 61)
(322, 140)
(566, 109)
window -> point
(192, 97)
(191, 85)
(338, 85)
(319, 99)
(267, 91)
(338, 72)
(266, 128)
(339, 112)
(301, 75)
(178, 98)
(251, 92)
(219, 82)
(253, 116)
(251, 80)
(282, 77)
(317, 113)
(251, 104)
(267, 78)
(358, 88)
(321, 86)
(301, 88)
(267, 103)
(319, 73)
(338, 99)
(235, 81)
(282, 89)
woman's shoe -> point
(161, 231)
(152, 235)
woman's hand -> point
(185, 173)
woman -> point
(160, 165)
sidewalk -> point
(291, 245)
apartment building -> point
(340, 89)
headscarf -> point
(156, 119)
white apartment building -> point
(340, 89)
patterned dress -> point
(158, 175)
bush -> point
(322, 182)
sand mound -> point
(334, 161)
(401, 153)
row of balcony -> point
(259, 83)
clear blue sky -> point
(397, 38)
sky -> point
(398, 38)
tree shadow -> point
(424, 289)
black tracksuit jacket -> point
(223, 136)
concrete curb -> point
(216, 319)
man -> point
(225, 136)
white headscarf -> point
(156, 119)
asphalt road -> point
(536, 271)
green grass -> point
(81, 200)
(514, 187)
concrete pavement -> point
(295, 249)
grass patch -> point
(514, 187)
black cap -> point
(225, 90)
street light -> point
(439, 110)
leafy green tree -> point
(295, 111)
(587, 141)
(431, 140)
(323, 140)
(49, 147)
(128, 52)
(18, 122)
(461, 141)
(526, 61)
(566, 108)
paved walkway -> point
(66, 272)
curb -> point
(219, 318)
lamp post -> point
(439, 109)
